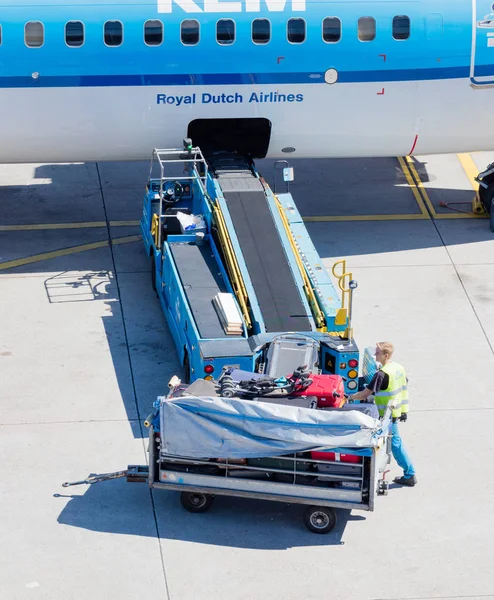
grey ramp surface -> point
(199, 274)
(274, 285)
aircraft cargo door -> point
(482, 64)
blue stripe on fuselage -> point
(61, 81)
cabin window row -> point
(296, 31)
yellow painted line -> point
(416, 193)
(47, 226)
(126, 240)
(47, 255)
(321, 219)
(470, 169)
(460, 216)
(82, 225)
(424, 214)
(420, 186)
(65, 252)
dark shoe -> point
(408, 481)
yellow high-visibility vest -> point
(396, 393)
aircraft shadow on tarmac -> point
(120, 508)
(142, 351)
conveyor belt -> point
(277, 292)
(198, 272)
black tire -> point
(186, 368)
(491, 215)
(195, 502)
(153, 273)
(382, 488)
(320, 519)
(482, 192)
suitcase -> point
(238, 375)
(342, 470)
(288, 352)
(300, 401)
(335, 456)
(287, 465)
(328, 389)
(350, 464)
(368, 408)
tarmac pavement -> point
(85, 350)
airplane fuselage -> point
(109, 81)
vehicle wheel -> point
(482, 192)
(196, 502)
(153, 273)
(320, 519)
(382, 487)
(491, 212)
(186, 368)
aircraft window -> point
(189, 32)
(74, 34)
(225, 31)
(153, 32)
(331, 29)
(261, 31)
(401, 27)
(295, 31)
(366, 29)
(34, 34)
(113, 33)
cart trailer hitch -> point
(133, 473)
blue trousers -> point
(399, 452)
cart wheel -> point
(382, 487)
(320, 519)
(196, 502)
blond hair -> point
(386, 348)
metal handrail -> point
(232, 265)
(308, 289)
(344, 314)
(194, 156)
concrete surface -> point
(84, 350)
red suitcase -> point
(328, 389)
(336, 456)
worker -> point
(389, 386)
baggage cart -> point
(290, 477)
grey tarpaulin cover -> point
(200, 427)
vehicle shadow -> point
(119, 508)
(117, 275)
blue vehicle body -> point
(188, 270)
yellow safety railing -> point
(343, 316)
(155, 229)
(232, 266)
(308, 289)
